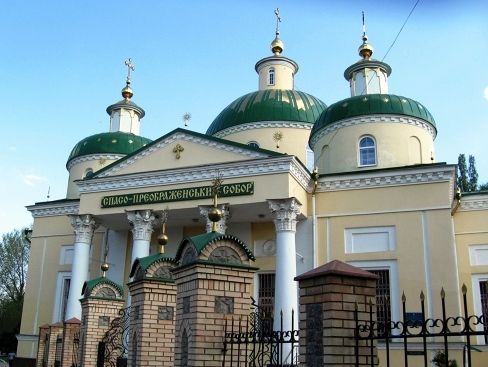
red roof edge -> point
(336, 267)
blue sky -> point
(61, 65)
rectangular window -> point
(383, 305)
(484, 305)
(370, 239)
(66, 283)
(266, 292)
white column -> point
(286, 297)
(221, 224)
(142, 223)
(84, 226)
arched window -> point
(253, 144)
(367, 151)
(88, 173)
(271, 76)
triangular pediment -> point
(183, 148)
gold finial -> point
(104, 267)
(365, 50)
(127, 92)
(215, 214)
(186, 118)
(277, 137)
(277, 44)
(163, 237)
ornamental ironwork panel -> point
(416, 328)
(113, 349)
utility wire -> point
(401, 29)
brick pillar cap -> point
(57, 324)
(73, 320)
(45, 326)
(336, 267)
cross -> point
(177, 150)
(130, 66)
(278, 20)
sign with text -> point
(166, 196)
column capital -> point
(285, 213)
(221, 224)
(142, 223)
(84, 226)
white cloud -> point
(486, 93)
(33, 180)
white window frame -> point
(350, 232)
(63, 252)
(475, 283)
(271, 76)
(58, 298)
(375, 145)
(392, 266)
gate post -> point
(102, 300)
(153, 298)
(328, 298)
(55, 331)
(71, 330)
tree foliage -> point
(14, 258)
(467, 175)
(472, 174)
(462, 177)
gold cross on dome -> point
(130, 66)
(177, 150)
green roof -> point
(372, 104)
(269, 105)
(90, 284)
(109, 143)
(146, 262)
(203, 240)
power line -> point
(401, 29)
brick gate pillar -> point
(43, 346)
(328, 297)
(153, 295)
(102, 300)
(71, 331)
(213, 283)
(54, 342)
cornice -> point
(255, 167)
(264, 124)
(179, 136)
(383, 179)
(54, 209)
(93, 157)
(372, 119)
(474, 203)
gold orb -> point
(215, 214)
(104, 267)
(163, 239)
(277, 46)
(127, 92)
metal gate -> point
(112, 350)
(417, 328)
(253, 342)
(58, 352)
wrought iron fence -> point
(58, 352)
(112, 350)
(251, 341)
(418, 328)
(76, 350)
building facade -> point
(303, 184)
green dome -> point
(269, 105)
(108, 143)
(372, 104)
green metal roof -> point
(91, 284)
(269, 105)
(203, 240)
(372, 104)
(146, 262)
(109, 143)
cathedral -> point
(294, 181)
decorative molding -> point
(181, 136)
(475, 203)
(382, 179)
(262, 125)
(93, 157)
(84, 226)
(368, 119)
(221, 224)
(188, 175)
(142, 223)
(285, 213)
(54, 209)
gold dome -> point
(127, 92)
(277, 45)
(365, 50)
(215, 214)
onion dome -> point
(267, 106)
(118, 142)
(371, 104)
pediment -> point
(183, 148)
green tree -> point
(483, 187)
(462, 177)
(472, 174)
